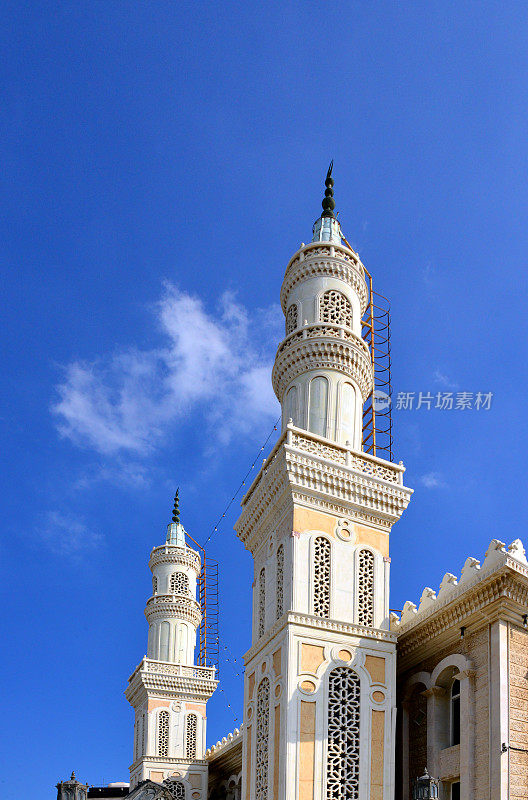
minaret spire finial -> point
(176, 509)
(328, 200)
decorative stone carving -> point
(449, 582)
(427, 599)
(342, 771)
(409, 611)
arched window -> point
(335, 307)
(455, 712)
(291, 319)
(321, 577)
(280, 581)
(292, 405)
(176, 789)
(163, 733)
(154, 585)
(181, 643)
(179, 583)
(164, 641)
(190, 736)
(318, 406)
(347, 411)
(262, 755)
(366, 588)
(262, 602)
(342, 769)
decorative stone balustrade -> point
(170, 554)
(174, 605)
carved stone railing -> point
(332, 260)
(169, 553)
(318, 329)
(179, 670)
(175, 605)
(225, 743)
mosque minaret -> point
(319, 695)
(168, 691)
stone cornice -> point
(171, 680)
(320, 623)
(317, 473)
(349, 356)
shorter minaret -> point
(168, 691)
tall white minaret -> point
(323, 370)
(319, 692)
(168, 691)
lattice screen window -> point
(179, 583)
(154, 585)
(262, 746)
(366, 588)
(342, 769)
(291, 319)
(335, 307)
(190, 736)
(280, 581)
(176, 789)
(321, 577)
(163, 733)
(262, 602)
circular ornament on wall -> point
(343, 530)
(307, 686)
(378, 696)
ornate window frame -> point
(261, 601)
(262, 739)
(288, 321)
(319, 306)
(379, 585)
(180, 577)
(279, 573)
(191, 735)
(163, 731)
(315, 535)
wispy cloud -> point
(67, 535)
(433, 480)
(219, 363)
(444, 380)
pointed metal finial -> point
(176, 509)
(328, 200)
(73, 778)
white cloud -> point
(219, 363)
(433, 480)
(67, 535)
(443, 380)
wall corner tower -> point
(319, 693)
(168, 691)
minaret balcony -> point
(173, 605)
(322, 345)
(170, 554)
(331, 261)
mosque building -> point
(343, 699)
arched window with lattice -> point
(154, 585)
(342, 768)
(163, 733)
(262, 602)
(366, 588)
(291, 319)
(335, 307)
(280, 581)
(190, 736)
(179, 583)
(176, 789)
(262, 743)
(321, 577)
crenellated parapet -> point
(499, 585)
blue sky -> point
(160, 164)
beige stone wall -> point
(518, 665)
(474, 647)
